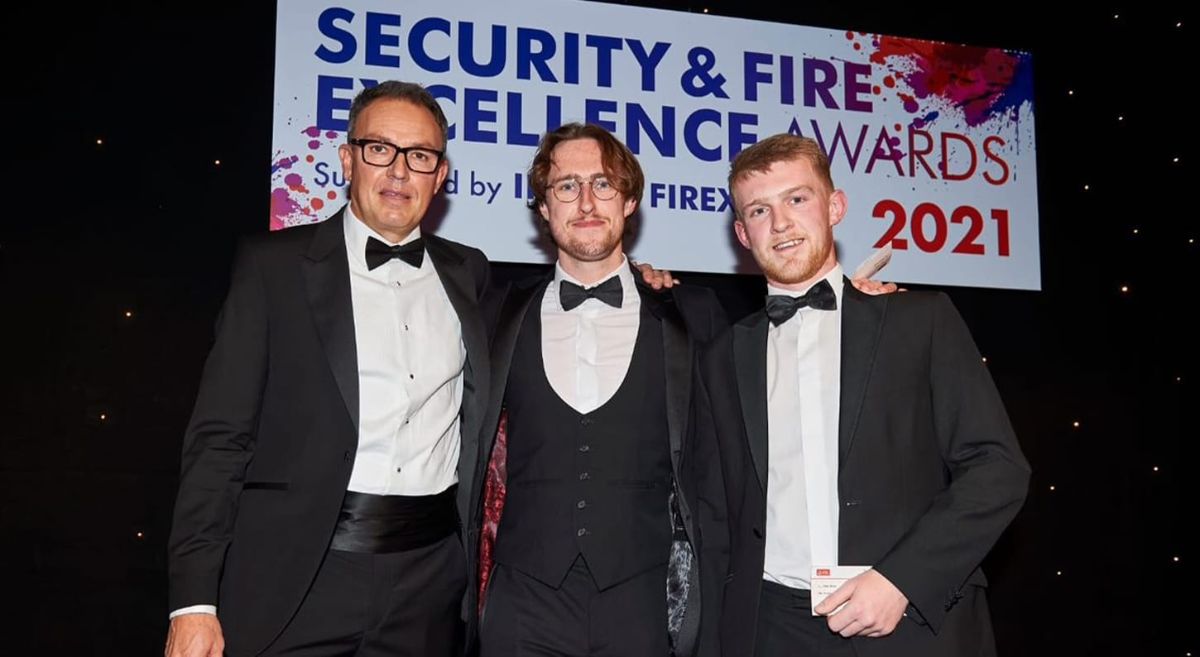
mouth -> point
(788, 245)
(590, 222)
(398, 196)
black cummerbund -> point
(379, 524)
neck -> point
(590, 271)
(391, 235)
(808, 282)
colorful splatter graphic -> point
(933, 79)
(299, 190)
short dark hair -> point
(396, 90)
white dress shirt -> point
(587, 350)
(803, 401)
(410, 373)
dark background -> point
(114, 259)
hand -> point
(656, 278)
(868, 286)
(870, 606)
(195, 635)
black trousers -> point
(399, 604)
(525, 617)
(787, 628)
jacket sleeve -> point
(219, 440)
(988, 475)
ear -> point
(630, 205)
(346, 155)
(739, 229)
(837, 207)
(544, 211)
(443, 170)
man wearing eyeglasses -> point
(596, 548)
(333, 441)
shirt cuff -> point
(194, 609)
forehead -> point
(399, 121)
(577, 156)
(781, 176)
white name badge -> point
(826, 579)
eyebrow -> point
(380, 138)
(571, 176)
(787, 192)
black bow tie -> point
(378, 253)
(781, 308)
(571, 295)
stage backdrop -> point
(933, 142)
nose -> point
(399, 169)
(780, 221)
(587, 201)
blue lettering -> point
(604, 48)
(638, 121)
(528, 56)
(326, 25)
(474, 115)
(691, 134)
(416, 44)
(466, 51)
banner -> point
(933, 143)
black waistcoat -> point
(595, 484)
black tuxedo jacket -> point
(930, 472)
(268, 452)
(690, 316)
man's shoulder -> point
(464, 251)
(697, 296)
(282, 240)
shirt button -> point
(584, 448)
(580, 504)
(583, 476)
(581, 532)
(586, 421)
(411, 376)
(398, 469)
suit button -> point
(346, 456)
(584, 448)
(586, 421)
(757, 533)
(583, 476)
(581, 532)
(581, 504)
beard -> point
(587, 249)
(795, 270)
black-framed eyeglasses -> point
(382, 154)
(569, 189)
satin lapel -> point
(462, 290)
(677, 352)
(327, 279)
(862, 321)
(750, 362)
(517, 298)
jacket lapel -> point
(463, 291)
(515, 304)
(750, 359)
(327, 279)
(862, 321)
(677, 351)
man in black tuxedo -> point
(333, 442)
(854, 431)
(593, 370)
